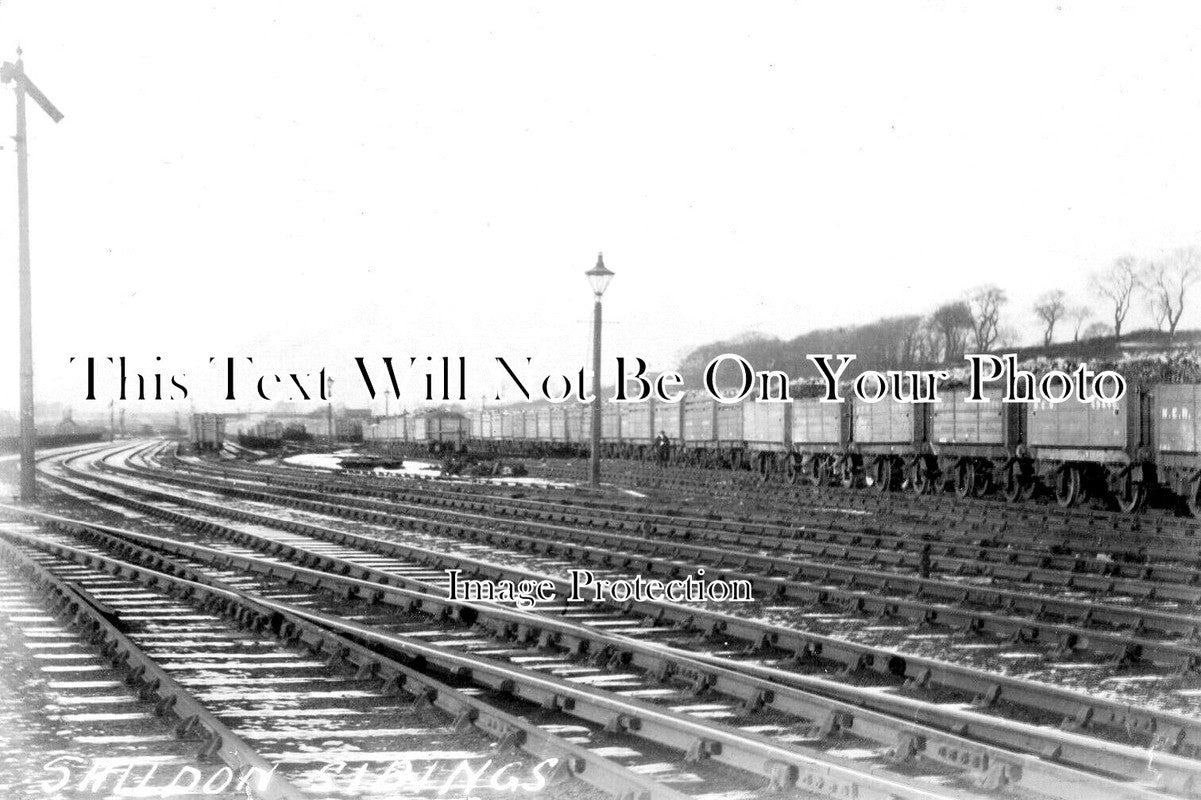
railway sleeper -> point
(987, 698)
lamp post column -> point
(594, 465)
(598, 278)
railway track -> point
(1116, 631)
(1051, 746)
(964, 769)
(714, 756)
(963, 555)
(296, 708)
(732, 489)
(74, 711)
(1131, 547)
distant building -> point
(67, 425)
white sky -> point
(305, 182)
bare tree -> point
(898, 340)
(1049, 307)
(984, 303)
(1118, 284)
(1098, 330)
(1078, 315)
(1159, 311)
(1168, 283)
(1008, 336)
(909, 334)
(929, 342)
(952, 320)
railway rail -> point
(962, 555)
(1118, 631)
(669, 678)
(714, 755)
(77, 714)
(216, 656)
(1064, 747)
(1135, 547)
(746, 486)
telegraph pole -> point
(15, 73)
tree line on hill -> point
(975, 323)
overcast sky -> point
(305, 182)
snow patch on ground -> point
(417, 469)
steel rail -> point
(985, 560)
(1135, 554)
(883, 593)
(1160, 529)
(266, 616)
(1171, 731)
(153, 684)
(780, 766)
(898, 727)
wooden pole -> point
(28, 433)
(15, 73)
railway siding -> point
(924, 678)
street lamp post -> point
(329, 391)
(599, 278)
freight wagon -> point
(1174, 416)
(207, 432)
(428, 431)
(1121, 451)
(637, 421)
(817, 440)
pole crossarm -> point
(16, 72)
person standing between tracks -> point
(663, 447)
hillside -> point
(1146, 354)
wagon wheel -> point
(847, 475)
(919, 478)
(1016, 487)
(1131, 495)
(766, 467)
(1193, 497)
(821, 471)
(885, 471)
(792, 471)
(965, 478)
(1067, 487)
(983, 472)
